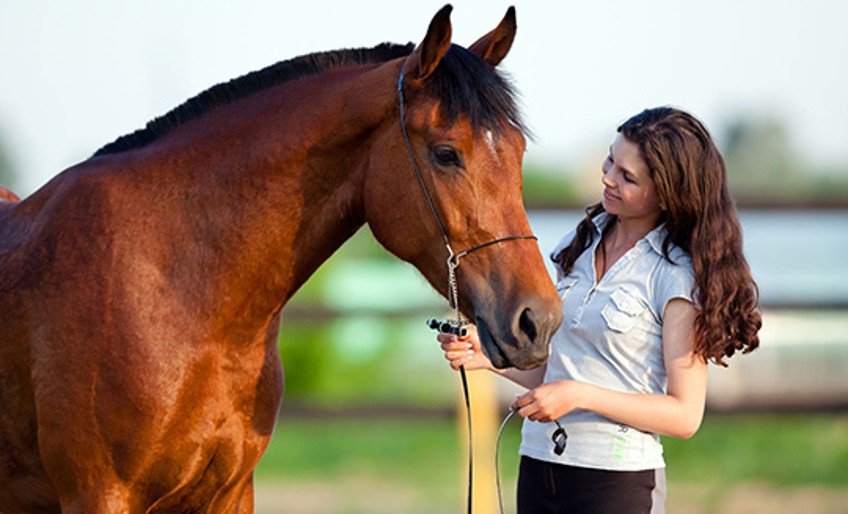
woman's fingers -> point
(463, 351)
(521, 401)
(453, 347)
(527, 406)
(459, 359)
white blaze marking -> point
(490, 142)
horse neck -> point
(291, 189)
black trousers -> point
(545, 488)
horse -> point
(141, 289)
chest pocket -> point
(623, 311)
(565, 285)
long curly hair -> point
(691, 181)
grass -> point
(404, 450)
(361, 466)
(424, 459)
(789, 450)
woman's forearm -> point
(657, 413)
(678, 413)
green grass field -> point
(759, 463)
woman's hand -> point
(465, 351)
(549, 401)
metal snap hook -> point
(559, 438)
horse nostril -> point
(527, 324)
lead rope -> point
(558, 437)
(497, 460)
(453, 301)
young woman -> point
(654, 285)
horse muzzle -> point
(519, 338)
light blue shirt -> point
(611, 336)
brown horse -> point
(141, 290)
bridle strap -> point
(415, 167)
(427, 196)
(490, 243)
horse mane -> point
(465, 83)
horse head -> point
(449, 180)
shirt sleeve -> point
(673, 280)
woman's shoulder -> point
(675, 263)
(679, 257)
(672, 274)
(672, 254)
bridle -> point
(453, 258)
(453, 288)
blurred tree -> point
(764, 168)
(550, 187)
(759, 155)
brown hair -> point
(691, 180)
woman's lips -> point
(610, 196)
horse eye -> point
(446, 156)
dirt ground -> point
(757, 498)
(352, 496)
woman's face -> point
(629, 190)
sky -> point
(76, 75)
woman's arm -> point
(467, 352)
(677, 413)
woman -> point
(654, 285)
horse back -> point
(29, 228)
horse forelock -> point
(467, 85)
(252, 83)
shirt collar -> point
(654, 238)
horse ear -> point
(426, 57)
(494, 46)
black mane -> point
(465, 83)
(252, 83)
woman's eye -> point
(446, 156)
